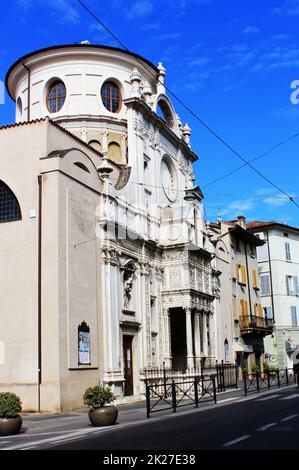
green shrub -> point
(98, 396)
(10, 405)
(268, 368)
(255, 368)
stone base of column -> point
(168, 362)
(190, 362)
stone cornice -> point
(137, 103)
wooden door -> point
(128, 364)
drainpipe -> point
(271, 278)
(39, 305)
(28, 90)
(248, 279)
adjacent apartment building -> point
(241, 320)
(278, 262)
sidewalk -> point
(43, 429)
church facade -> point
(106, 267)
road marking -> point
(267, 426)
(290, 397)
(268, 398)
(227, 399)
(289, 417)
(235, 441)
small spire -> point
(186, 131)
(162, 72)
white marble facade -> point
(149, 260)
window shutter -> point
(260, 311)
(287, 251)
(288, 284)
(254, 278)
(244, 274)
(294, 316)
(296, 285)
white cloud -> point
(63, 10)
(277, 200)
(140, 9)
(251, 30)
(290, 8)
(170, 36)
(198, 61)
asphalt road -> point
(267, 422)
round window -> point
(56, 96)
(111, 97)
(168, 176)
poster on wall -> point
(83, 344)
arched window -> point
(226, 350)
(164, 112)
(111, 97)
(95, 144)
(114, 152)
(9, 206)
(56, 96)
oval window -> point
(56, 96)
(168, 177)
(111, 97)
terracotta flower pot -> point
(103, 416)
(10, 426)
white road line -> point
(235, 441)
(52, 439)
(267, 426)
(227, 399)
(290, 397)
(268, 398)
(289, 417)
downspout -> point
(28, 90)
(248, 279)
(271, 278)
(39, 305)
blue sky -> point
(231, 61)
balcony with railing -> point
(254, 324)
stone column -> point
(189, 338)
(167, 338)
(204, 334)
(212, 334)
(105, 143)
(123, 149)
(197, 338)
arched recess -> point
(114, 152)
(164, 109)
(95, 144)
(82, 166)
(19, 110)
(9, 206)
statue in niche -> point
(128, 286)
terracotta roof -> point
(256, 224)
(23, 123)
(35, 121)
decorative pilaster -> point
(167, 338)
(189, 338)
(197, 338)
(212, 334)
(204, 335)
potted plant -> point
(97, 398)
(10, 420)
